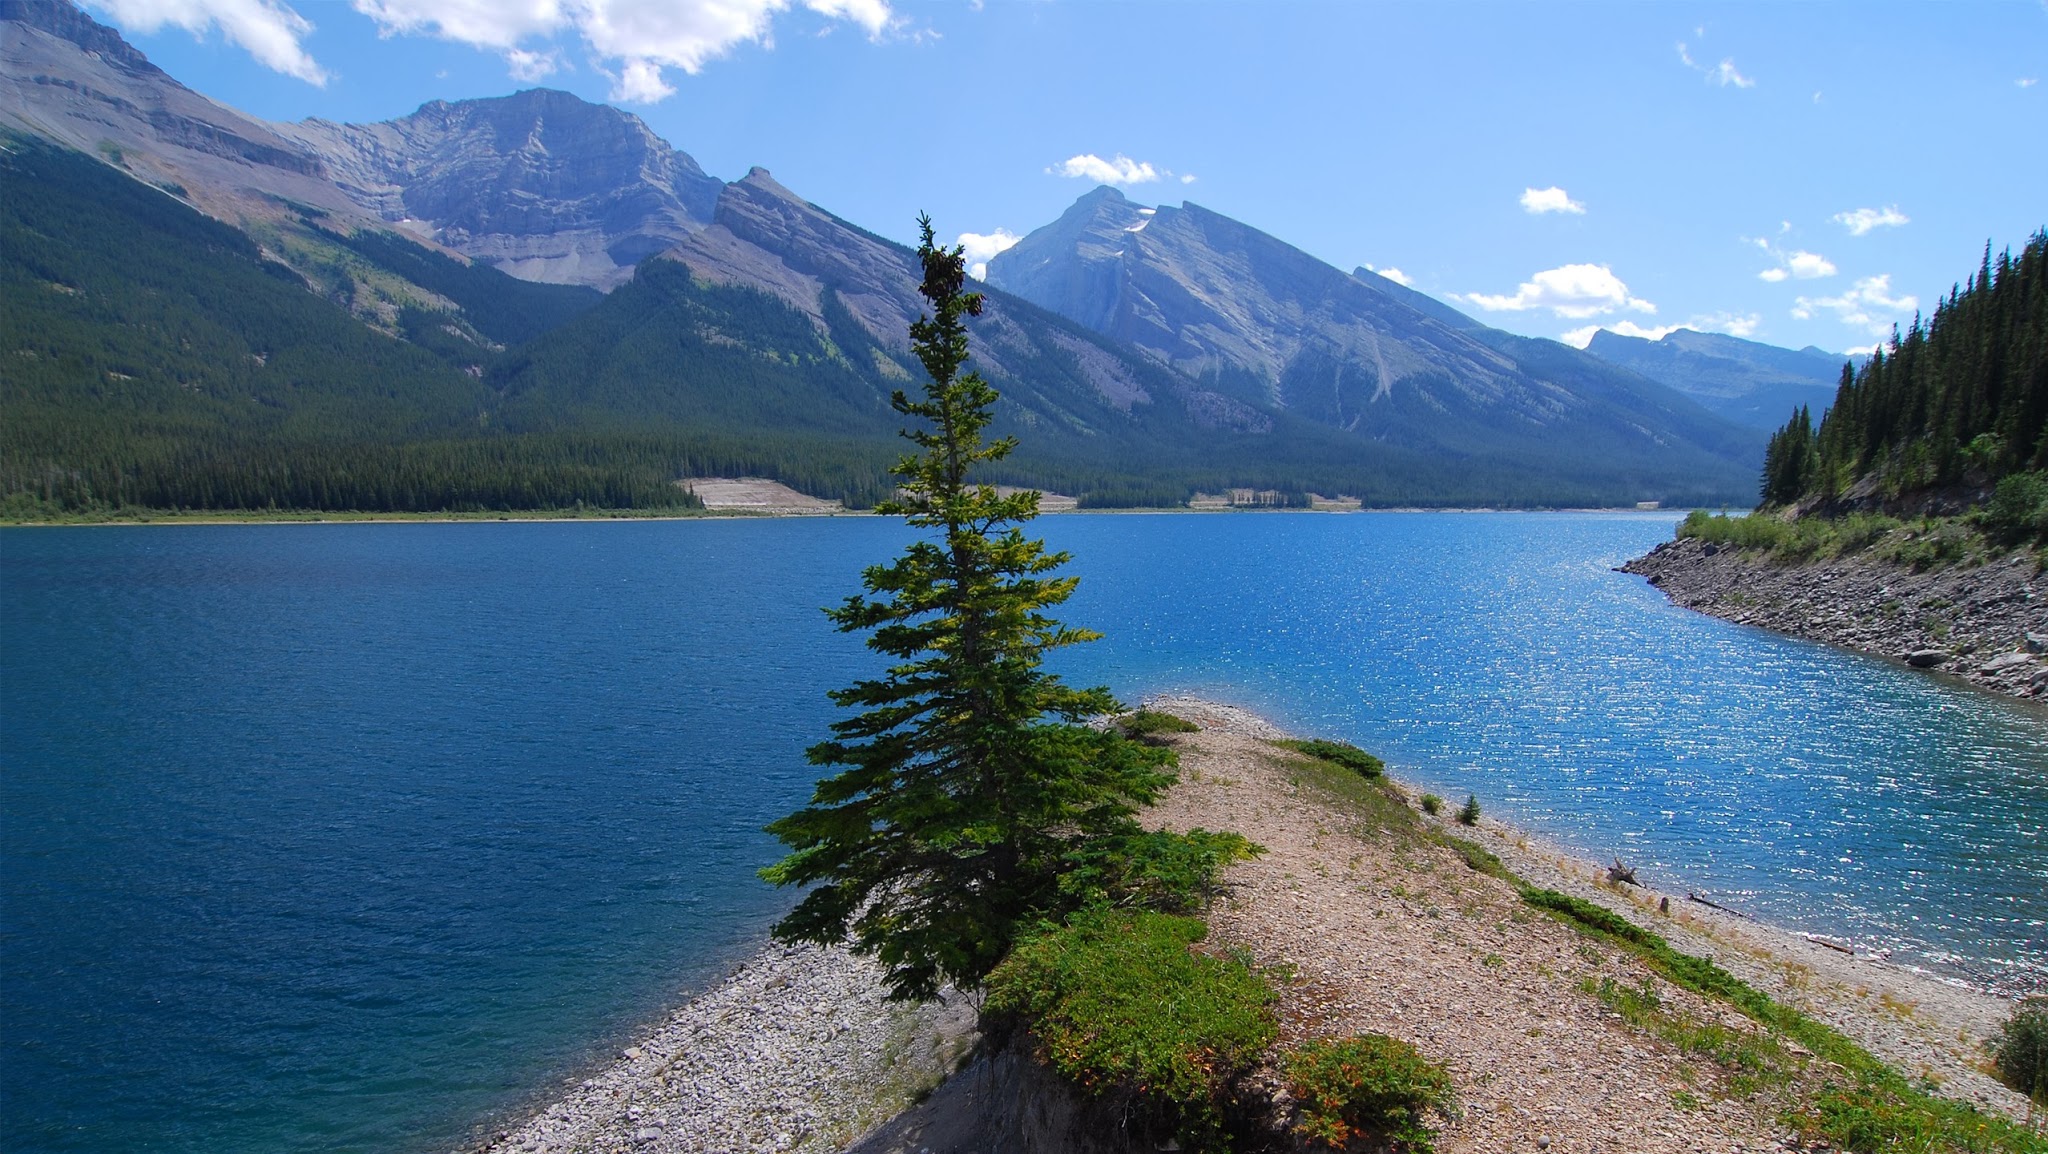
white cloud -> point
(269, 31)
(1552, 199)
(1724, 74)
(979, 248)
(531, 66)
(1797, 264)
(1868, 305)
(1734, 324)
(1393, 274)
(2027, 81)
(1573, 291)
(1580, 338)
(1121, 170)
(1861, 350)
(1862, 220)
(639, 37)
(1187, 178)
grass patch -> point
(1369, 1089)
(1339, 753)
(1153, 727)
(1920, 544)
(1123, 1008)
(1860, 1104)
(1380, 803)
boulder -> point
(2005, 661)
(1926, 658)
(2037, 643)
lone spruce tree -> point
(968, 780)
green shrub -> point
(1153, 727)
(1174, 873)
(2021, 1049)
(2019, 505)
(1124, 1009)
(1468, 814)
(1478, 858)
(1369, 1088)
(1339, 753)
(1432, 804)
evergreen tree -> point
(969, 779)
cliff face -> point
(1987, 624)
(542, 184)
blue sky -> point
(1795, 173)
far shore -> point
(218, 517)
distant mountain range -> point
(1755, 385)
(1142, 353)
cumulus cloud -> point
(1119, 170)
(1393, 274)
(1862, 220)
(269, 31)
(531, 66)
(1798, 264)
(1868, 305)
(1574, 292)
(633, 40)
(1580, 338)
(1734, 324)
(1724, 74)
(979, 248)
(1552, 199)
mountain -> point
(1753, 384)
(1271, 326)
(540, 184)
(66, 78)
(744, 330)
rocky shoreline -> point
(798, 1051)
(1986, 624)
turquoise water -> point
(345, 837)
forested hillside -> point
(154, 358)
(1952, 407)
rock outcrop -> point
(542, 184)
(1986, 624)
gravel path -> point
(1404, 939)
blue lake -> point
(344, 837)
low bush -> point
(1153, 727)
(1369, 1088)
(2021, 1050)
(1123, 1008)
(1340, 753)
(2019, 506)
(1174, 873)
(1432, 804)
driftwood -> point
(1625, 875)
(1693, 897)
(1817, 940)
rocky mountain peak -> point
(64, 20)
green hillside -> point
(1956, 405)
(152, 357)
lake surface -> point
(344, 837)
